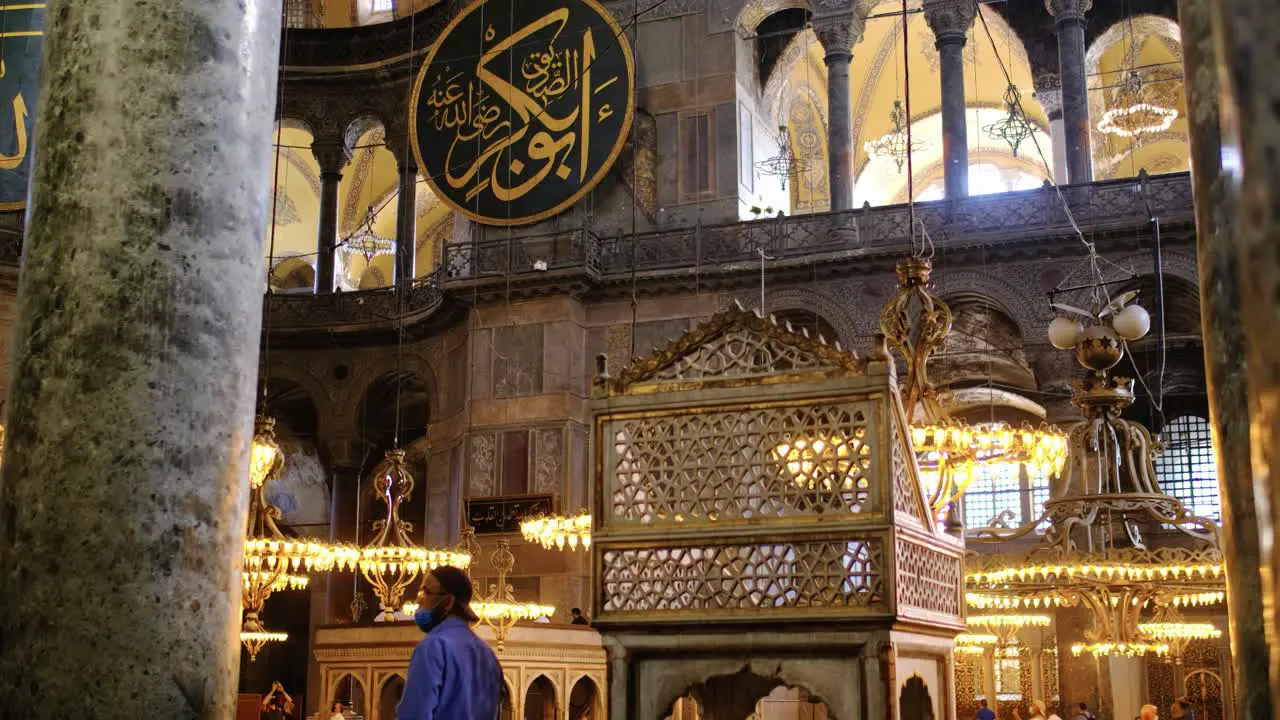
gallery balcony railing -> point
(980, 220)
(352, 310)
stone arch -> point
(985, 345)
(279, 374)
(824, 678)
(541, 699)
(296, 273)
(585, 699)
(359, 122)
(294, 122)
(738, 694)
(349, 690)
(1016, 289)
(389, 696)
(811, 301)
(754, 12)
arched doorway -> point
(350, 692)
(790, 703)
(540, 700)
(914, 701)
(685, 708)
(1204, 690)
(584, 701)
(389, 697)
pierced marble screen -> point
(725, 578)
(741, 464)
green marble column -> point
(123, 491)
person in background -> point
(335, 712)
(1149, 712)
(276, 705)
(578, 617)
(1182, 710)
(984, 712)
(453, 675)
(1083, 712)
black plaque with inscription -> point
(521, 107)
(21, 38)
(490, 516)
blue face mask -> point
(426, 619)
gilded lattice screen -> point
(746, 468)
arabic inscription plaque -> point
(521, 107)
(21, 36)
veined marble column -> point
(1237, 224)
(130, 415)
(1224, 351)
(950, 21)
(838, 34)
(1049, 94)
(332, 156)
(1069, 21)
(406, 223)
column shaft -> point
(124, 491)
(839, 130)
(955, 133)
(1224, 351)
(406, 225)
(1075, 100)
(1244, 40)
(328, 233)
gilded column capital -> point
(1063, 10)
(950, 20)
(838, 33)
(331, 155)
(1049, 94)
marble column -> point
(1224, 351)
(838, 34)
(950, 21)
(1237, 224)
(406, 223)
(1049, 94)
(332, 156)
(130, 414)
(1068, 18)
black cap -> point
(456, 583)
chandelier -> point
(785, 165)
(557, 531)
(272, 562)
(915, 322)
(391, 561)
(1015, 127)
(893, 144)
(1093, 553)
(499, 609)
(1135, 115)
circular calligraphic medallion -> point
(21, 38)
(521, 107)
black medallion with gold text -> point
(521, 107)
(21, 37)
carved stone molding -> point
(839, 33)
(1064, 10)
(950, 20)
(331, 155)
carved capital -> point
(838, 33)
(950, 20)
(331, 155)
(1063, 10)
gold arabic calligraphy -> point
(10, 162)
(466, 104)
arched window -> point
(1187, 469)
(1004, 495)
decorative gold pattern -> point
(737, 343)
(719, 580)
(724, 466)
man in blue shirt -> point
(984, 712)
(453, 675)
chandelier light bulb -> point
(1064, 331)
(1132, 323)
